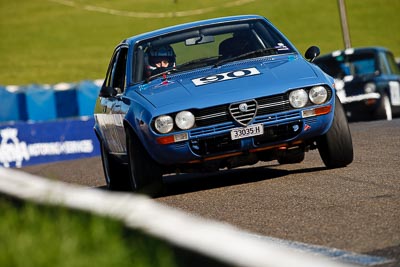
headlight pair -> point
(300, 97)
(184, 120)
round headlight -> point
(164, 124)
(298, 98)
(184, 120)
(318, 94)
(369, 88)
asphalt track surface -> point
(356, 208)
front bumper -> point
(207, 143)
(359, 98)
(360, 107)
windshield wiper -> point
(255, 53)
(203, 60)
(161, 74)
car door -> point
(110, 118)
(394, 80)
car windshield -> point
(349, 65)
(211, 45)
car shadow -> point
(188, 183)
(178, 184)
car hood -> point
(230, 83)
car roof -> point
(155, 33)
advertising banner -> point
(23, 143)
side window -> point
(382, 64)
(394, 69)
(108, 80)
(116, 75)
(119, 70)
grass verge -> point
(51, 41)
(37, 235)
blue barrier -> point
(66, 100)
(48, 102)
(47, 123)
(40, 103)
(87, 93)
(23, 143)
(13, 104)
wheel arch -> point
(99, 135)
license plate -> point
(249, 131)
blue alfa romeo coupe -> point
(211, 95)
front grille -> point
(258, 107)
(213, 115)
(273, 104)
(243, 112)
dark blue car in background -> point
(230, 92)
(367, 81)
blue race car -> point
(367, 81)
(214, 94)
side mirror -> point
(107, 91)
(312, 53)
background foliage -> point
(50, 41)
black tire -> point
(384, 110)
(336, 146)
(115, 172)
(145, 174)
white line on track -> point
(333, 253)
(133, 14)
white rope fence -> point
(213, 239)
(152, 15)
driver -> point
(159, 59)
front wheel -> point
(384, 110)
(336, 146)
(115, 172)
(145, 174)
